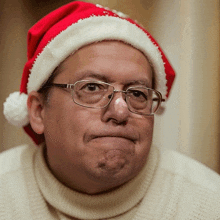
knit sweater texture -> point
(170, 186)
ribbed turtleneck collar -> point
(84, 206)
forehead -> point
(112, 60)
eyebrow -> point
(91, 74)
(138, 82)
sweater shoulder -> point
(12, 159)
(190, 169)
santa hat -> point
(67, 29)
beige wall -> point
(187, 30)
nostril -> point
(110, 96)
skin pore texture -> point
(95, 150)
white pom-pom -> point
(15, 109)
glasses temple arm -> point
(156, 99)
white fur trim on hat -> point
(89, 30)
(15, 109)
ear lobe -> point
(36, 111)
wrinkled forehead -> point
(107, 59)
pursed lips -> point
(115, 135)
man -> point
(92, 83)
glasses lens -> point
(91, 93)
(142, 100)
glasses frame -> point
(71, 86)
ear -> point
(35, 106)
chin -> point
(115, 172)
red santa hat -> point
(67, 29)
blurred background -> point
(187, 30)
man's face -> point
(94, 150)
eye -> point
(137, 94)
(92, 87)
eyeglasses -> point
(96, 94)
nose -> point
(117, 111)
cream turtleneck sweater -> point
(170, 186)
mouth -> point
(114, 136)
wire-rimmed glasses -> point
(97, 94)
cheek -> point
(146, 135)
(146, 131)
(64, 137)
(64, 121)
